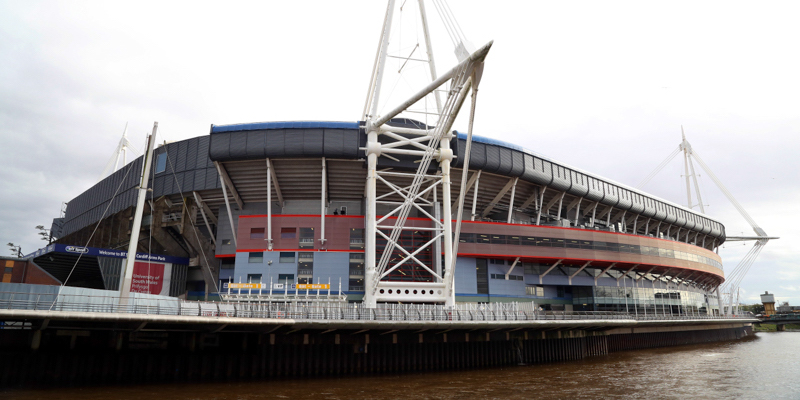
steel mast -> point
(404, 192)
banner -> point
(152, 278)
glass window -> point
(161, 162)
(253, 278)
(467, 238)
(286, 257)
(288, 233)
(498, 239)
(306, 238)
(255, 257)
(512, 240)
(481, 270)
(483, 238)
(256, 233)
(357, 238)
(226, 241)
(286, 278)
(356, 285)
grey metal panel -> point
(169, 183)
(560, 179)
(158, 186)
(517, 163)
(212, 178)
(203, 159)
(477, 156)
(637, 205)
(528, 172)
(595, 193)
(661, 211)
(293, 145)
(192, 157)
(256, 144)
(352, 138)
(625, 200)
(669, 217)
(690, 221)
(333, 144)
(180, 161)
(199, 179)
(505, 166)
(238, 147)
(542, 173)
(276, 139)
(649, 206)
(492, 159)
(579, 187)
(680, 217)
(313, 143)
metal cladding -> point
(193, 164)
(193, 171)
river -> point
(766, 366)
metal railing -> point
(318, 310)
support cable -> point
(658, 169)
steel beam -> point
(498, 197)
(226, 179)
(548, 271)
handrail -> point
(320, 309)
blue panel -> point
(283, 125)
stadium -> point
(285, 204)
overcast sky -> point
(603, 86)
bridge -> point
(780, 320)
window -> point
(481, 270)
(227, 263)
(286, 257)
(537, 291)
(510, 277)
(467, 238)
(226, 241)
(161, 162)
(497, 261)
(305, 267)
(356, 285)
(286, 278)
(255, 258)
(357, 239)
(9, 270)
(288, 233)
(356, 267)
(498, 239)
(253, 278)
(306, 238)
(256, 233)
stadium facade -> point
(533, 229)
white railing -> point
(318, 310)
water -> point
(766, 366)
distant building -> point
(769, 303)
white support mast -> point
(735, 277)
(122, 149)
(403, 272)
(127, 273)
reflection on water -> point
(764, 367)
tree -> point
(45, 234)
(15, 249)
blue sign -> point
(97, 252)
